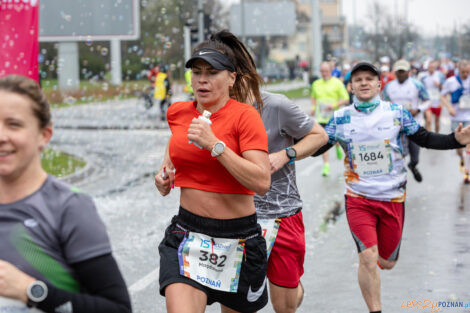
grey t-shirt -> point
(46, 232)
(283, 121)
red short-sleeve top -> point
(237, 124)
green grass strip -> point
(303, 92)
(60, 164)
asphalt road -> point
(123, 145)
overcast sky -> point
(429, 16)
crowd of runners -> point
(239, 229)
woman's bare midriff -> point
(217, 205)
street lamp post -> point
(242, 14)
(316, 44)
(187, 41)
(200, 24)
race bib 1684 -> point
(371, 158)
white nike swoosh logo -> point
(202, 53)
(30, 223)
(65, 308)
(254, 296)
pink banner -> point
(19, 38)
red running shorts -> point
(436, 111)
(286, 261)
(378, 223)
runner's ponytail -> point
(247, 83)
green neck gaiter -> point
(367, 107)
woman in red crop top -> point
(214, 251)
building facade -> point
(298, 47)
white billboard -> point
(88, 20)
(264, 19)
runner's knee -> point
(283, 299)
(284, 305)
(184, 298)
(369, 257)
(386, 264)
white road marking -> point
(144, 282)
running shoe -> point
(416, 173)
(462, 166)
(326, 169)
(339, 153)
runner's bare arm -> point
(105, 288)
(462, 135)
(314, 105)
(313, 141)
(13, 282)
(251, 170)
(305, 147)
(165, 178)
(331, 132)
(445, 101)
(166, 157)
(424, 105)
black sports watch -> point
(291, 154)
(36, 292)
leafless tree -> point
(389, 35)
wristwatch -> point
(36, 292)
(218, 149)
(291, 154)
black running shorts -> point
(252, 292)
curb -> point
(79, 175)
(111, 127)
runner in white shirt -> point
(370, 132)
(432, 80)
(458, 87)
(412, 95)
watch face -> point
(37, 291)
(219, 147)
(291, 153)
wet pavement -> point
(123, 145)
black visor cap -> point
(365, 66)
(215, 58)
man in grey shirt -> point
(279, 210)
